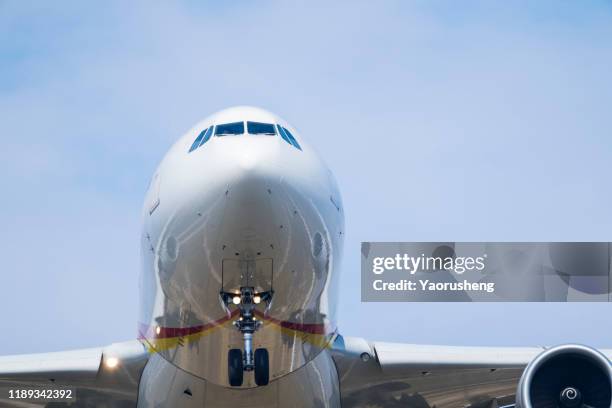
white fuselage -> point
(240, 210)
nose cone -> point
(250, 193)
(247, 159)
(249, 169)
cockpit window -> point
(207, 135)
(288, 137)
(198, 140)
(196, 143)
(293, 141)
(258, 128)
(201, 139)
(282, 133)
(228, 129)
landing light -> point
(257, 299)
(236, 300)
(111, 362)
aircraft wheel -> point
(262, 367)
(235, 369)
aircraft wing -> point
(377, 374)
(105, 376)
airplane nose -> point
(254, 215)
(249, 160)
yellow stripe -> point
(155, 345)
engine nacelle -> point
(566, 376)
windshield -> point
(235, 128)
(196, 143)
(288, 137)
(258, 128)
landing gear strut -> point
(245, 360)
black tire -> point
(235, 369)
(262, 367)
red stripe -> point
(150, 332)
(312, 328)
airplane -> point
(241, 243)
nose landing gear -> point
(238, 360)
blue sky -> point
(479, 121)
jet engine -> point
(566, 376)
